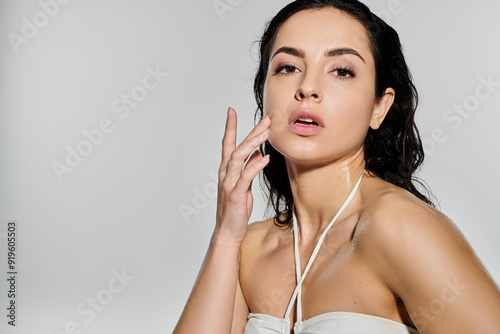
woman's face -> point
(321, 63)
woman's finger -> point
(263, 124)
(255, 156)
(240, 155)
(247, 176)
(229, 140)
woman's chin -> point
(304, 156)
(296, 147)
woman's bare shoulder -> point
(423, 257)
(397, 208)
(396, 214)
(397, 227)
(257, 230)
(262, 235)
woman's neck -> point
(319, 192)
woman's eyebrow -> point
(343, 51)
(329, 53)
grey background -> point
(120, 208)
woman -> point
(354, 247)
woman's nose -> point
(309, 88)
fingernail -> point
(229, 111)
(263, 133)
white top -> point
(331, 322)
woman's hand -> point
(214, 304)
(234, 198)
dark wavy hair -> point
(394, 151)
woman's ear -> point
(381, 108)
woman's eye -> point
(343, 73)
(286, 69)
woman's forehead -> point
(316, 31)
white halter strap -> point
(300, 279)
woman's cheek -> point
(358, 105)
(275, 109)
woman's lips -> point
(304, 130)
(305, 114)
